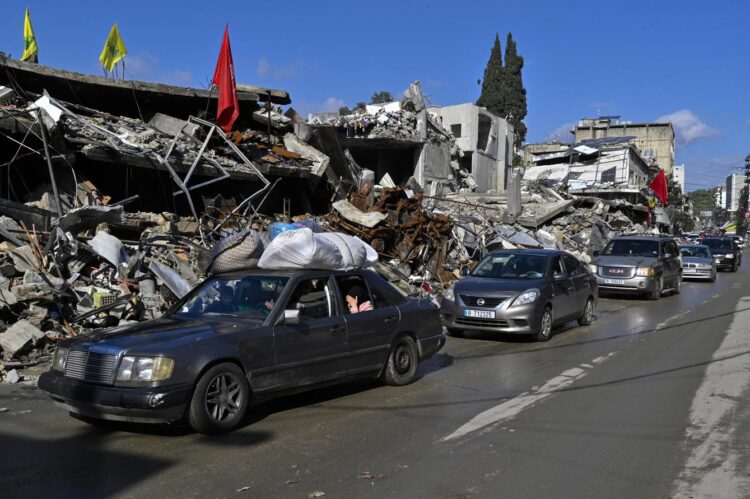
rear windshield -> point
(632, 247)
(725, 244)
(512, 266)
(695, 251)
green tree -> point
(381, 97)
(360, 106)
(684, 221)
(741, 209)
(493, 83)
(343, 111)
(514, 91)
(703, 200)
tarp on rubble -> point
(304, 249)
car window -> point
(632, 247)
(354, 294)
(250, 296)
(723, 244)
(313, 299)
(559, 269)
(512, 266)
(572, 265)
(695, 251)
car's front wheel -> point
(402, 362)
(220, 399)
(655, 293)
(545, 325)
(587, 317)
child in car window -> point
(357, 300)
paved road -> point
(650, 401)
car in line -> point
(639, 264)
(697, 262)
(243, 337)
(522, 292)
(727, 253)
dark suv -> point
(726, 251)
(639, 264)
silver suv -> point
(639, 264)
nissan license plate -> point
(614, 281)
(482, 314)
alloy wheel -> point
(223, 397)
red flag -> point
(659, 186)
(229, 108)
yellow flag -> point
(30, 50)
(114, 49)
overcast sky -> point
(683, 61)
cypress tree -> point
(514, 91)
(492, 96)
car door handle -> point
(337, 329)
(391, 319)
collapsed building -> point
(116, 192)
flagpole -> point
(123, 68)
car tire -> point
(401, 366)
(655, 293)
(220, 400)
(544, 332)
(713, 277)
(587, 316)
(734, 266)
(456, 333)
(678, 285)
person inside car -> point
(225, 303)
(357, 300)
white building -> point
(485, 140)
(734, 186)
(678, 175)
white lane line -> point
(712, 468)
(511, 408)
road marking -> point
(712, 468)
(511, 408)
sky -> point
(680, 60)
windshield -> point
(632, 247)
(512, 266)
(725, 244)
(695, 251)
(252, 296)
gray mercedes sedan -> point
(522, 292)
(697, 262)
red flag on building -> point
(659, 186)
(229, 108)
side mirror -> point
(291, 317)
(597, 253)
(464, 271)
(559, 276)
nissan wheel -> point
(545, 325)
(587, 317)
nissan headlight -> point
(60, 358)
(528, 296)
(593, 268)
(644, 272)
(145, 369)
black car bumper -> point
(430, 345)
(136, 405)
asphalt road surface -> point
(652, 400)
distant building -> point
(530, 151)
(486, 141)
(611, 167)
(678, 175)
(656, 141)
(734, 186)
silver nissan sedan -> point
(522, 292)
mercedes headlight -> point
(526, 297)
(644, 272)
(730, 256)
(58, 361)
(145, 369)
(704, 265)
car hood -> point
(489, 286)
(164, 332)
(625, 261)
